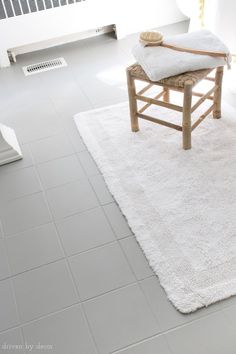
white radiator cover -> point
(129, 16)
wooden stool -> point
(182, 83)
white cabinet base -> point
(9, 148)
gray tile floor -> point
(72, 277)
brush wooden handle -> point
(195, 51)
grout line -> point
(65, 308)
(76, 287)
(166, 332)
(83, 308)
(139, 281)
(89, 328)
(15, 275)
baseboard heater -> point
(16, 16)
(13, 52)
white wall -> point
(128, 15)
(220, 18)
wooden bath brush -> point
(154, 39)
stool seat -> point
(177, 81)
(182, 83)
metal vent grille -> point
(11, 8)
(44, 66)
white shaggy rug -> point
(181, 205)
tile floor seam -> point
(85, 94)
(8, 262)
(104, 294)
(60, 185)
(15, 302)
(133, 345)
(55, 220)
(93, 188)
(16, 234)
(108, 220)
(66, 133)
(36, 319)
(62, 246)
(50, 213)
(54, 159)
(28, 142)
(92, 249)
(31, 228)
(90, 328)
(138, 282)
(24, 195)
(34, 268)
(84, 169)
(23, 337)
(79, 296)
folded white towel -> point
(159, 62)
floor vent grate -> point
(44, 66)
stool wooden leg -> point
(217, 93)
(187, 115)
(132, 102)
(166, 95)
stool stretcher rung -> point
(203, 98)
(210, 78)
(173, 88)
(159, 121)
(146, 106)
(159, 103)
(198, 94)
(145, 89)
(202, 117)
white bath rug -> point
(181, 205)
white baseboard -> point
(13, 52)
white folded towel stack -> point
(160, 62)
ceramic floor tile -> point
(33, 248)
(64, 92)
(88, 163)
(136, 258)
(12, 342)
(38, 115)
(84, 231)
(44, 290)
(24, 213)
(4, 265)
(163, 309)
(101, 190)
(120, 318)
(18, 184)
(60, 171)
(51, 148)
(155, 345)
(117, 220)
(9, 317)
(77, 102)
(66, 332)
(27, 161)
(96, 89)
(101, 270)
(71, 198)
(74, 137)
(209, 335)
